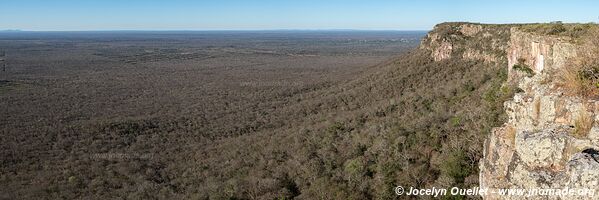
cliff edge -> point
(550, 139)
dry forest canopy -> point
(240, 115)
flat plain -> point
(141, 114)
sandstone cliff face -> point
(468, 41)
(540, 52)
(550, 139)
(541, 145)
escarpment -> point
(546, 141)
(550, 139)
(468, 41)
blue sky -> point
(281, 14)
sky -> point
(85, 15)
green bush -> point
(354, 169)
(455, 121)
(455, 165)
(524, 68)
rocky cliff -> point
(550, 139)
(468, 41)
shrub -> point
(456, 165)
(455, 121)
(576, 83)
(582, 124)
(556, 29)
(590, 74)
(521, 66)
(354, 169)
(581, 75)
(524, 68)
(559, 29)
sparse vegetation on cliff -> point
(582, 124)
(574, 30)
(581, 76)
(548, 134)
(579, 80)
(521, 66)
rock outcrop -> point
(468, 41)
(546, 143)
(550, 140)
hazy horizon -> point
(111, 15)
(220, 30)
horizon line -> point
(206, 30)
